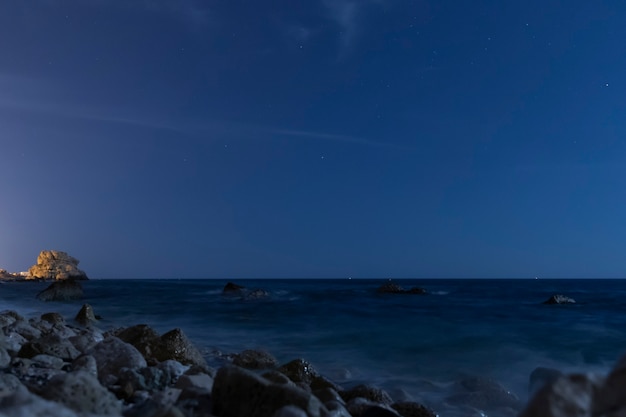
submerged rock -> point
(559, 299)
(391, 288)
(52, 264)
(232, 288)
(62, 291)
(541, 376)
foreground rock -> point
(62, 291)
(56, 265)
(390, 288)
(559, 299)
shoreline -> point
(136, 372)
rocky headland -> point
(51, 265)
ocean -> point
(415, 346)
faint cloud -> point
(347, 15)
(332, 137)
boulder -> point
(175, 345)
(238, 392)
(541, 376)
(111, 355)
(255, 359)
(142, 337)
(81, 392)
(391, 288)
(568, 396)
(368, 392)
(62, 291)
(51, 344)
(559, 299)
(299, 370)
(57, 265)
(412, 409)
(86, 316)
(53, 318)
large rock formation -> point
(57, 265)
(62, 291)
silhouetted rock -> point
(559, 299)
(541, 376)
(62, 291)
(255, 359)
(232, 288)
(391, 288)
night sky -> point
(318, 138)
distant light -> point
(606, 85)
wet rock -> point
(611, 396)
(175, 345)
(8, 317)
(255, 359)
(391, 288)
(368, 392)
(52, 264)
(263, 398)
(62, 291)
(361, 407)
(299, 370)
(81, 392)
(53, 318)
(568, 396)
(111, 355)
(256, 294)
(52, 345)
(413, 409)
(86, 316)
(142, 337)
(541, 376)
(232, 288)
(277, 378)
(559, 299)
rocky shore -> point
(57, 366)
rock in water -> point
(57, 265)
(62, 291)
(232, 288)
(391, 288)
(85, 316)
(559, 299)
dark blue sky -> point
(319, 138)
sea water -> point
(412, 345)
